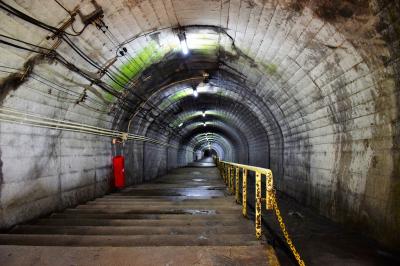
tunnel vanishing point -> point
(306, 88)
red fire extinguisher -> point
(118, 166)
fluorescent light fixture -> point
(204, 113)
(184, 47)
(182, 40)
(181, 124)
(195, 92)
(201, 85)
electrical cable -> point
(62, 7)
(70, 43)
(68, 65)
(22, 48)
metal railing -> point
(230, 173)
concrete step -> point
(188, 192)
(153, 211)
(128, 241)
(172, 186)
(175, 216)
(163, 199)
(163, 203)
(135, 222)
(132, 230)
(135, 256)
(190, 217)
(119, 194)
(163, 207)
(169, 205)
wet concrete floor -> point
(319, 240)
(324, 242)
(204, 162)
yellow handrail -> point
(230, 173)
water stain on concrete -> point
(14, 80)
(332, 10)
(1, 180)
(1, 171)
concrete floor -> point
(205, 162)
(319, 240)
(324, 242)
(183, 218)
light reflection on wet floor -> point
(205, 162)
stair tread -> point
(155, 216)
(127, 240)
(144, 256)
(131, 230)
(193, 212)
(167, 215)
(121, 222)
(157, 207)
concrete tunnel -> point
(308, 89)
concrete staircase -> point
(183, 218)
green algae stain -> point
(149, 55)
(153, 53)
(270, 68)
(133, 66)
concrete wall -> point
(44, 170)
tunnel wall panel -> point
(43, 170)
(172, 158)
(134, 160)
(155, 161)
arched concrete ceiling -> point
(318, 78)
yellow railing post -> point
(229, 178)
(269, 191)
(258, 205)
(244, 192)
(237, 184)
(231, 171)
(232, 182)
(224, 172)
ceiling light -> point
(204, 124)
(201, 85)
(182, 40)
(206, 77)
(195, 92)
(204, 113)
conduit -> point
(14, 116)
